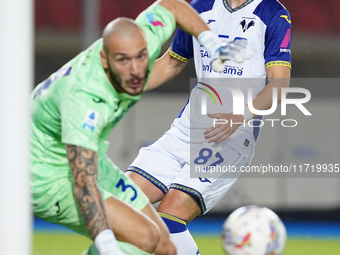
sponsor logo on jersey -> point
(285, 42)
(231, 70)
(152, 20)
(285, 50)
(286, 18)
(91, 119)
(210, 21)
(204, 53)
(246, 26)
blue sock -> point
(180, 235)
(175, 224)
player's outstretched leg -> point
(132, 226)
(177, 208)
(136, 233)
(165, 246)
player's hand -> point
(223, 128)
(237, 51)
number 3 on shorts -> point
(205, 154)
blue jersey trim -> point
(149, 177)
(181, 112)
(177, 56)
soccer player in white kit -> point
(162, 170)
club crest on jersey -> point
(152, 20)
(246, 26)
(91, 119)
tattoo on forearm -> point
(84, 165)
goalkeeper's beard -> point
(117, 81)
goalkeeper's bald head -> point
(122, 30)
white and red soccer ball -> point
(253, 230)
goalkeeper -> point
(74, 183)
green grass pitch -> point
(212, 246)
(72, 244)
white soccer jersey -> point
(171, 162)
(264, 23)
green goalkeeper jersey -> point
(78, 105)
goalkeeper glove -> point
(237, 51)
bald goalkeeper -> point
(74, 183)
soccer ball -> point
(253, 230)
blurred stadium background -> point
(310, 208)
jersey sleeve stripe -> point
(279, 63)
(177, 56)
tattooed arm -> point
(84, 165)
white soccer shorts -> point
(166, 164)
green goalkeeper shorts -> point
(53, 198)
